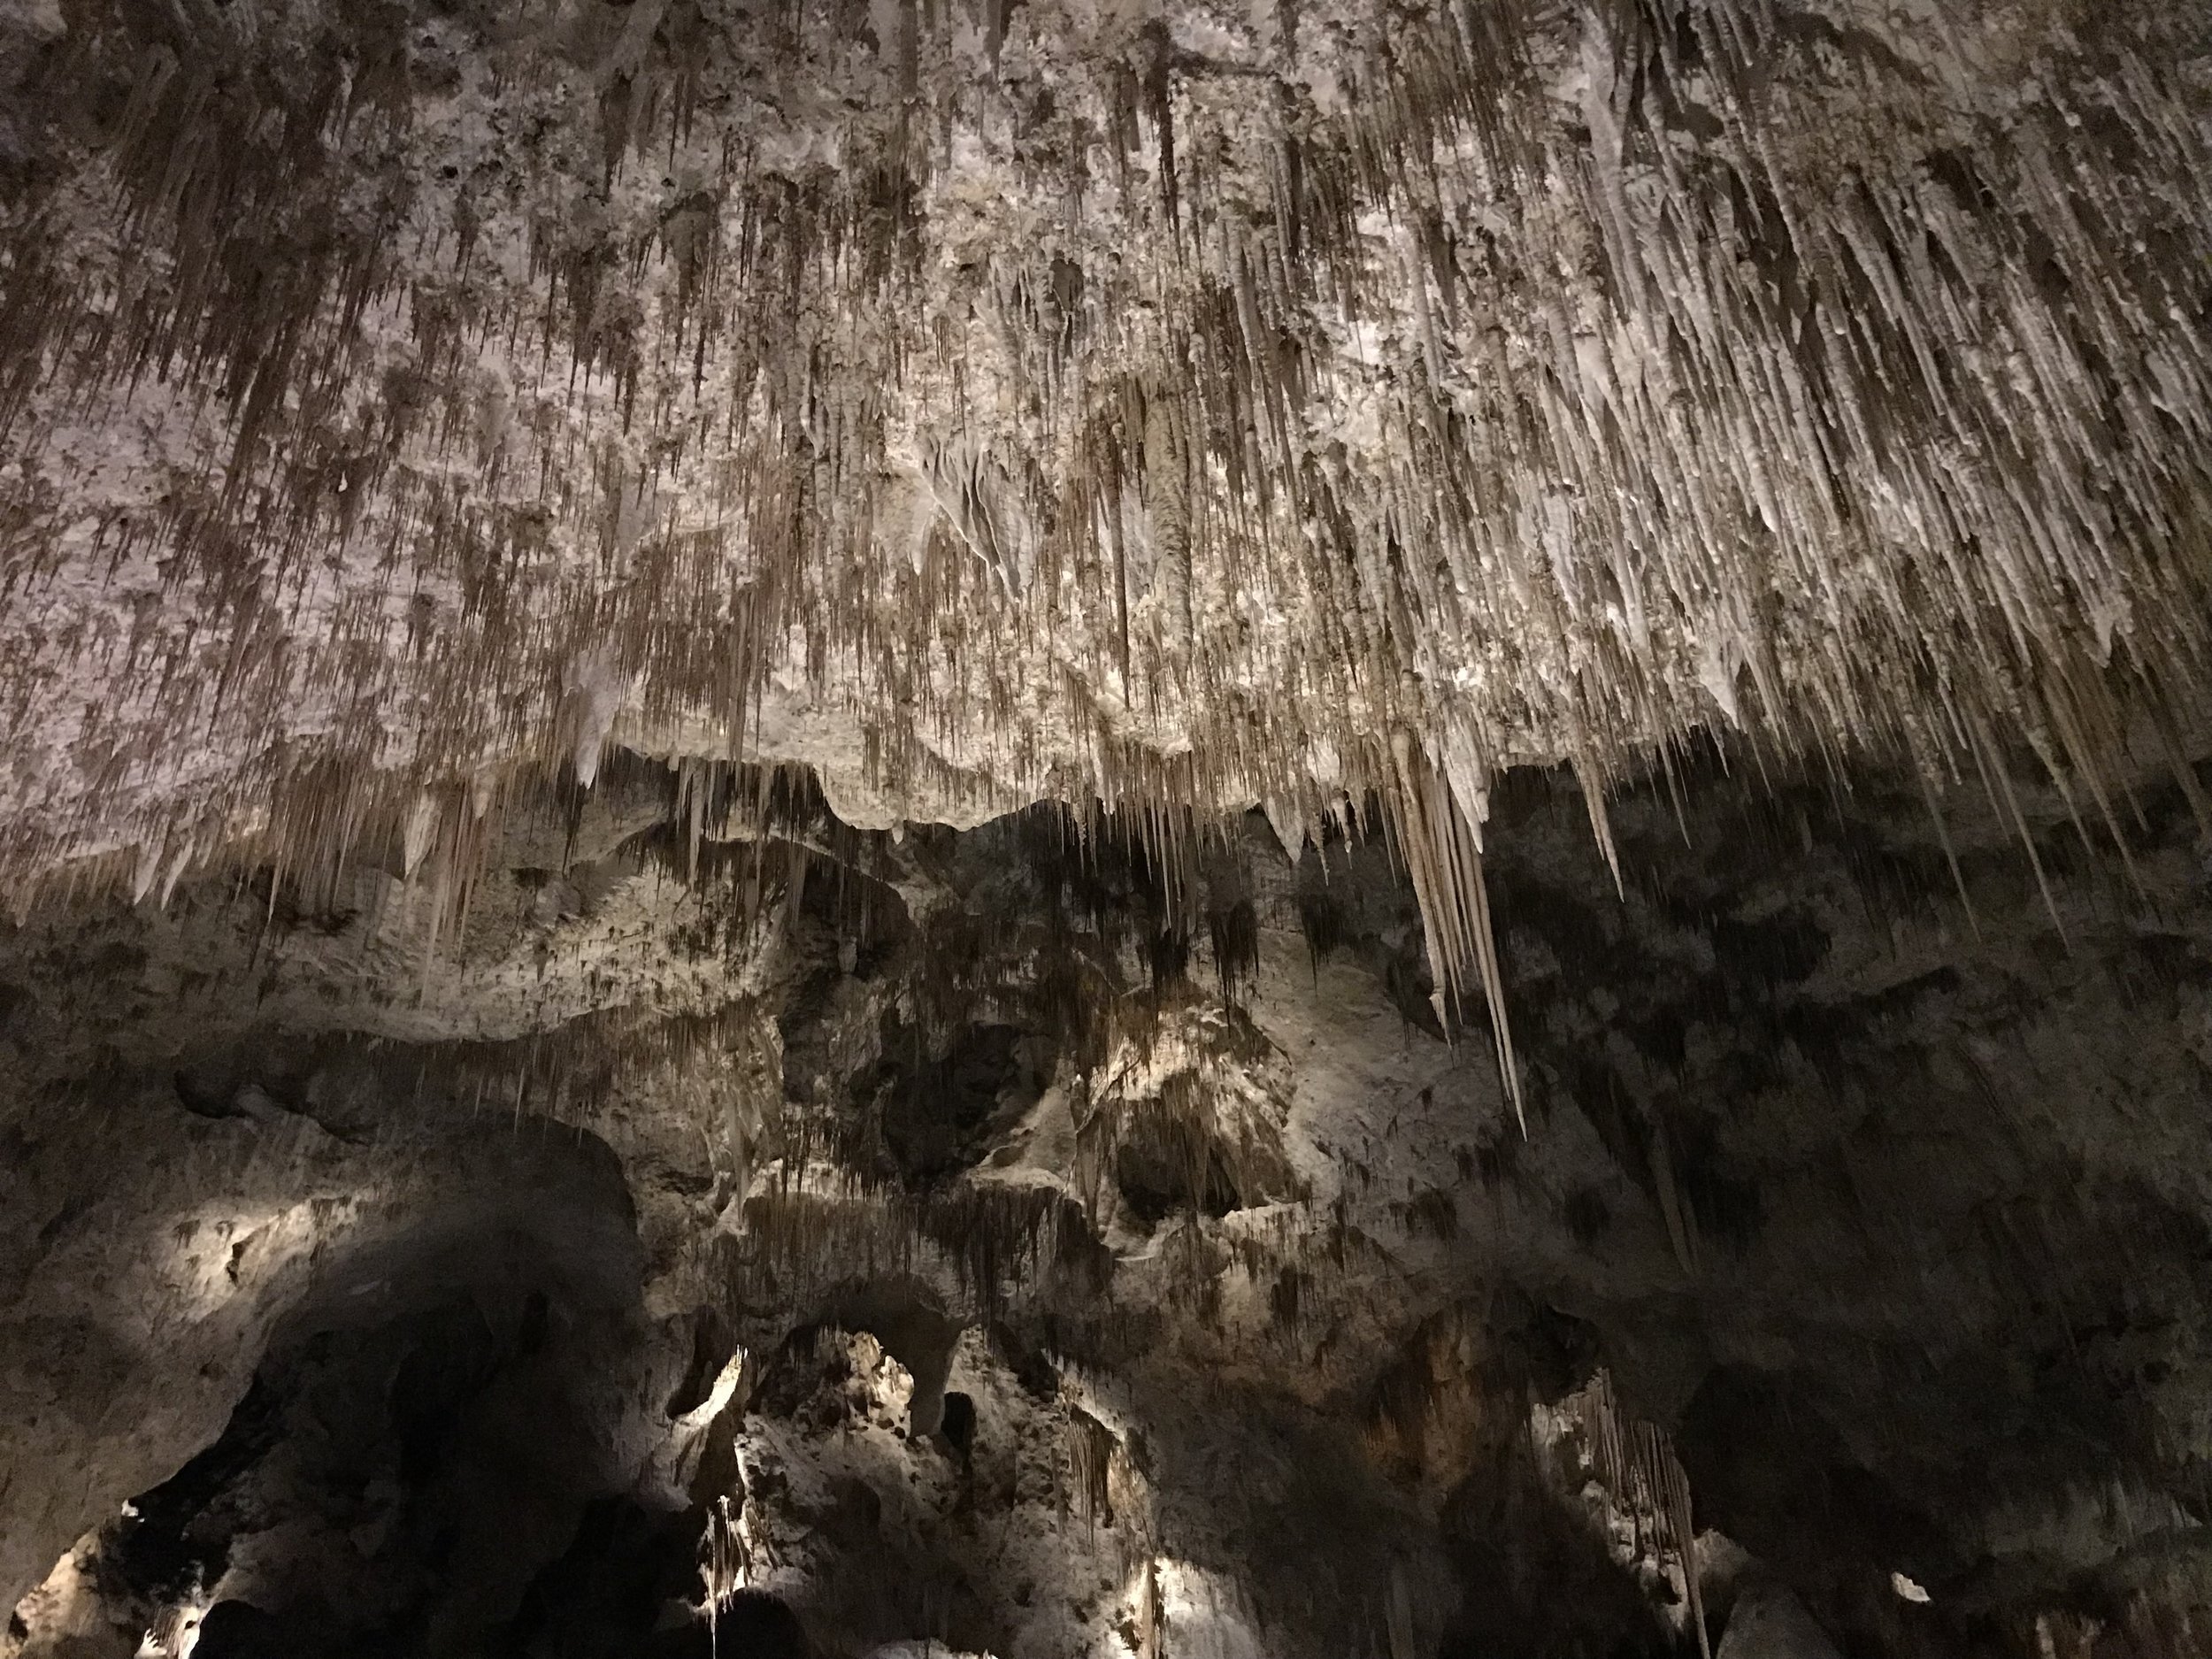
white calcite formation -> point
(993, 401)
(759, 759)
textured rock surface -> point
(772, 776)
(992, 1237)
(986, 401)
(1773, 1625)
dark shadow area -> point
(753, 1625)
(434, 1423)
(392, 1484)
(958, 1425)
(626, 1588)
(239, 1630)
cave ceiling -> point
(986, 403)
(1105, 828)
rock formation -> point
(1152, 829)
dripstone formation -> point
(1105, 829)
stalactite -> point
(1445, 864)
(547, 443)
(1637, 1464)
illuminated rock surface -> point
(769, 773)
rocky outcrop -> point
(1046, 1239)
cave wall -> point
(1203, 827)
(1022, 1238)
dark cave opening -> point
(958, 1422)
(1163, 1174)
(932, 1110)
(752, 1625)
(240, 1630)
(625, 1588)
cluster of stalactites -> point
(1300, 406)
(1644, 1482)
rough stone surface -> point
(998, 1238)
(1769, 1623)
(987, 400)
(1104, 827)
